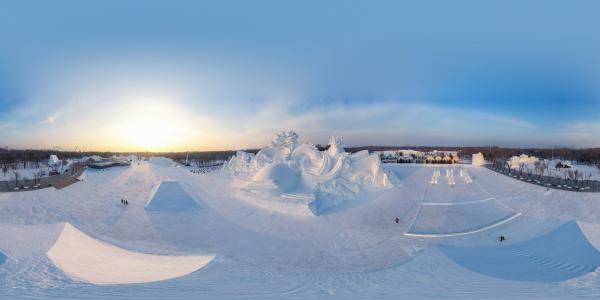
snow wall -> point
(333, 176)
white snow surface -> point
(356, 251)
(87, 259)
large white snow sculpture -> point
(332, 177)
(477, 159)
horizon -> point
(210, 76)
(393, 147)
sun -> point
(151, 126)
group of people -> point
(124, 202)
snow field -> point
(356, 252)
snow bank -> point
(86, 259)
(333, 176)
(477, 159)
(559, 255)
(516, 161)
(171, 196)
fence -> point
(551, 181)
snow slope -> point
(562, 254)
(87, 259)
(171, 196)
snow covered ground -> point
(235, 249)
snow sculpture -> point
(53, 161)
(477, 159)
(516, 161)
(332, 177)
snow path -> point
(87, 259)
(458, 209)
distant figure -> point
(122, 201)
(397, 220)
(502, 239)
(126, 202)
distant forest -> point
(35, 157)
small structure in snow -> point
(53, 161)
(477, 159)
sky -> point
(194, 75)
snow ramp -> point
(84, 258)
(172, 196)
(561, 254)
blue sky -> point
(230, 74)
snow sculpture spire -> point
(336, 145)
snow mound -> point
(171, 196)
(477, 159)
(84, 258)
(333, 176)
(562, 254)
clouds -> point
(390, 73)
(582, 134)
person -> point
(126, 202)
(502, 239)
(397, 220)
(122, 202)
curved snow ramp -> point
(561, 254)
(84, 258)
